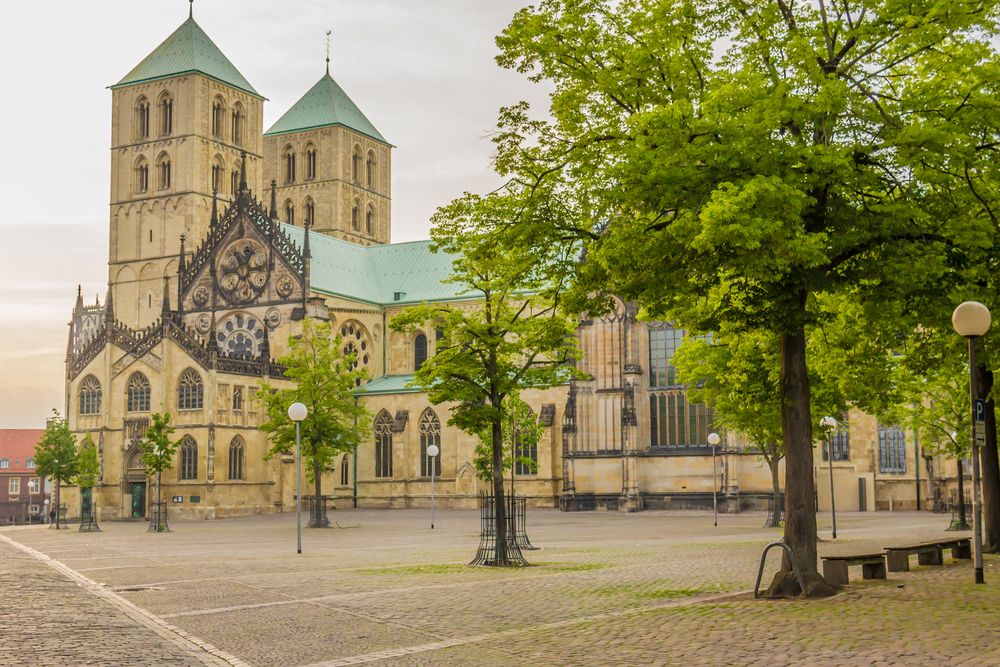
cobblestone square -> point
(652, 588)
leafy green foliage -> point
(756, 166)
(520, 427)
(158, 449)
(88, 468)
(55, 453)
(324, 378)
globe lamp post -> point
(714, 440)
(297, 412)
(829, 425)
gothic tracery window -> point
(310, 162)
(289, 160)
(90, 396)
(218, 117)
(344, 471)
(141, 175)
(239, 336)
(355, 341)
(137, 393)
(163, 172)
(419, 351)
(290, 212)
(237, 128)
(370, 221)
(190, 391)
(430, 434)
(356, 165)
(891, 449)
(673, 420)
(189, 458)
(237, 456)
(383, 444)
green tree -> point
(56, 457)
(732, 164)
(158, 452)
(87, 475)
(515, 337)
(520, 431)
(325, 374)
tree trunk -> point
(499, 506)
(318, 519)
(990, 473)
(774, 520)
(800, 495)
(56, 508)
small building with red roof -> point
(22, 491)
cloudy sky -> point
(423, 72)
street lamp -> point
(432, 452)
(297, 412)
(829, 424)
(714, 440)
(972, 320)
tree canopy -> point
(736, 165)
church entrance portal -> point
(138, 500)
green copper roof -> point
(389, 384)
(378, 274)
(326, 103)
(188, 49)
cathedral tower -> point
(331, 166)
(181, 119)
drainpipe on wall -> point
(916, 463)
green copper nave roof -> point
(325, 104)
(188, 49)
(387, 275)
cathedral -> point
(224, 237)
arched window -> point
(345, 478)
(90, 396)
(419, 351)
(356, 165)
(430, 434)
(137, 393)
(238, 117)
(289, 160)
(218, 118)
(166, 114)
(383, 444)
(141, 175)
(310, 162)
(525, 454)
(218, 170)
(189, 458)
(142, 118)
(290, 212)
(370, 220)
(370, 170)
(310, 213)
(356, 216)
(163, 172)
(234, 182)
(190, 391)
(237, 455)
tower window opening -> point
(370, 221)
(289, 166)
(218, 116)
(142, 119)
(289, 213)
(356, 165)
(310, 163)
(310, 218)
(238, 126)
(166, 115)
(371, 170)
(355, 217)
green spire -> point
(325, 104)
(188, 49)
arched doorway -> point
(135, 483)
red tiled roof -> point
(17, 445)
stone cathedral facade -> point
(224, 237)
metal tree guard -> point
(486, 554)
(88, 518)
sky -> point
(423, 72)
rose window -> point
(243, 271)
(356, 342)
(240, 336)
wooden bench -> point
(928, 553)
(835, 567)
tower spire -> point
(190, 9)
(79, 299)
(328, 33)
(243, 171)
(274, 199)
(214, 222)
(165, 306)
(109, 308)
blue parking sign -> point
(980, 410)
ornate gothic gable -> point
(246, 260)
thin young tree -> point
(324, 373)
(158, 452)
(88, 473)
(56, 459)
(515, 335)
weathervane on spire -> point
(328, 33)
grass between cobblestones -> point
(606, 589)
